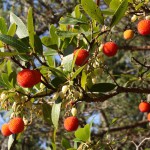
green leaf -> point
(102, 87)
(30, 27)
(119, 13)
(71, 21)
(83, 79)
(107, 1)
(66, 33)
(77, 72)
(50, 52)
(12, 29)
(11, 141)
(55, 114)
(38, 47)
(83, 133)
(65, 143)
(46, 40)
(3, 26)
(10, 54)
(5, 79)
(12, 41)
(92, 10)
(21, 28)
(67, 62)
(57, 81)
(47, 113)
(77, 11)
(53, 35)
(114, 4)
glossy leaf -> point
(30, 26)
(12, 29)
(53, 35)
(50, 52)
(92, 10)
(67, 62)
(119, 13)
(55, 114)
(21, 28)
(3, 26)
(102, 87)
(114, 4)
(11, 141)
(12, 41)
(38, 47)
(46, 40)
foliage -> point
(109, 87)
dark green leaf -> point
(92, 10)
(38, 47)
(47, 113)
(3, 26)
(46, 40)
(119, 13)
(57, 81)
(65, 143)
(102, 87)
(30, 27)
(21, 28)
(10, 54)
(66, 33)
(12, 41)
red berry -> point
(16, 125)
(144, 107)
(144, 27)
(110, 49)
(82, 57)
(28, 78)
(5, 130)
(148, 116)
(71, 123)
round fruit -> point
(5, 130)
(71, 123)
(148, 116)
(110, 49)
(28, 78)
(16, 125)
(128, 34)
(144, 27)
(82, 57)
(144, 107)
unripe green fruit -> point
(74, 111)
(80, 95)
(76, 94)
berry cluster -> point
(14, 126)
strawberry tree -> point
(83, 62)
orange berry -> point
(110, 49)
(144, 27)
(148, 116)
(5, 130)
(144, 107)
(128, 34)
(82, 57)
(71, 123)
(28, 78)
(16, 125)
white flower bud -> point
(74, 111)
(3, 96)
(64, 89)
(133, 18)
(55, 95)
(61, 94)
(101, 47)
